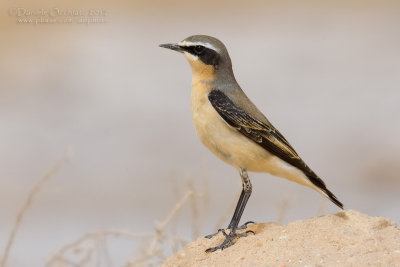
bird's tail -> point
(321, 187)
(333, 198)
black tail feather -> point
(333, 198)
(321, 185)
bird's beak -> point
(175, 47)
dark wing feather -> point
(265, 135)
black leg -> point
(233, 225)
(238, 205)
(244, 226)
(237, 210)
(244, 197)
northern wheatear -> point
(232, 127)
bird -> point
(235, 130)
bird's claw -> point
(228, 239)
(243, 226)
(214, 234)
(245, 233)
(227, 243)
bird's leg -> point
(233, 225)
(246, 192)
(232, 221)
(244, 226)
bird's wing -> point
(265, 135)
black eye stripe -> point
(198, 49)
(205, 54)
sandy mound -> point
(346, 238)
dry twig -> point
(29, 200)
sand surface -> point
(347, 238)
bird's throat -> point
(201, 73)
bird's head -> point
(206, 55)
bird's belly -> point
(225, 141)
(232, 147)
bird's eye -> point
(198, 49)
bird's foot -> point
(228, 239)
(214, 234)
(244, 226)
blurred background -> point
(325, 73)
